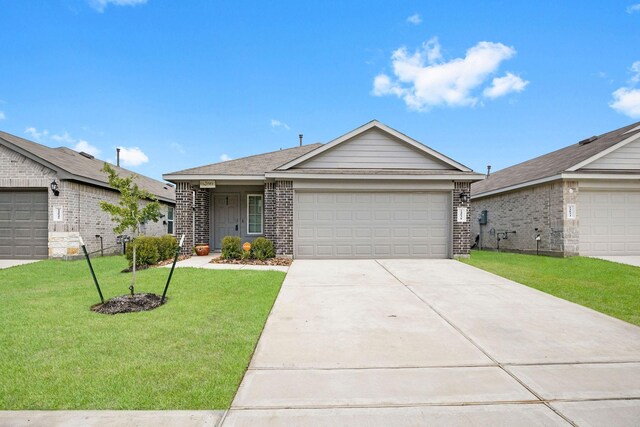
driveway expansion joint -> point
(486, 353)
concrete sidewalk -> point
(8, 263)
(110, 418)
(434, 342)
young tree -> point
(127, 214)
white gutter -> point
(564, 175)
(204, 177)
(372, 176)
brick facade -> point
(202, 215)
(542, 207)
(80, 203)
(270, 211)
(461, 229)
(184, 215)
(284, 218)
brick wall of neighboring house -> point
(542, 207)
(81, 213)
(284, 218)
(202, 215)
(270, 211)
(461, 229)
(184, 215)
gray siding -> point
(625, 158)
(373, 149)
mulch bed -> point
(129, 304)
(285, 262)
(160, 264)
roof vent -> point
(588, 140)
(87, 155)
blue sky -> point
(185, 83)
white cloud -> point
(177, 147)
(626, 101)
(225, 157)
(2, 115)
(635, 72)
(132, 156)
(423, 79)
(83, 145)
(35, 133)
(415, 19)
(501, 86)
(65, 138)
(277, 123)
(633, 8)
(101, 5)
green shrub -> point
(167, 247)
(231, 248)
(262, 248)
(245, 255)
(146, 251)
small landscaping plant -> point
(262, 248)
(151, 250)
(231, 248)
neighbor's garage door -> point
(371, 225)
(23, 224)
(609, 222)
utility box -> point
(482, 220)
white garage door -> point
(609, 222)
(371, 225)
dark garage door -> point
(23, 224)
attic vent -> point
(87, 155)
(588, 140)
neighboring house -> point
(371, 193)
(38, 222)
(581, 200)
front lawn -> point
(190, 353)
(608, 287)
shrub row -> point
(151, 250)
(261, 249)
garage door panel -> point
(365, 225)
(23, 224)
(609, 222)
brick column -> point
(270, 211)
(461, 230)
(184, 215)
(201, 215)
(284, 218)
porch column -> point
(184, 216)
(461, 229)
(202, 216)
(270, 211)
(284, 218)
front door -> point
(226, 217)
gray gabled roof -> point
(553, 163)
(72, 165)
(253, 165)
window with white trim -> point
(254, 213)
(170, 220)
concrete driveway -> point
(434, 342)
(8, 263)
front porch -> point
(235, 208)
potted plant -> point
(202, 249)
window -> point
(170, 220)
(254, 214)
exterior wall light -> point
(54, 188)
(464, 197)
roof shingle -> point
(85, 168)
(552, 163)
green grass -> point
(608, 287)
(190, 353)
